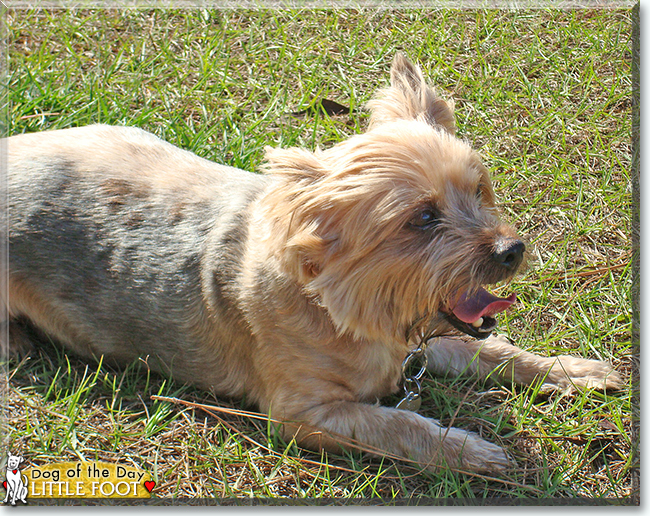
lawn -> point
(545, 96)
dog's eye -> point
(425, 219)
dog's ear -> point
(296, 237)
(294, 164)
(410, 98)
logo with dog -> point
(16, 481)
(82, 479)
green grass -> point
(545, 97)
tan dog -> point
(296, 289)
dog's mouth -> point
(474, 313)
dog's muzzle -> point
(473, 312)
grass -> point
(546, 98)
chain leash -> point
(412, 386)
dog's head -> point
(397, 225)
(13, 461)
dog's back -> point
(109, 228)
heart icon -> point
(149, 485)
(4, 484)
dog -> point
(301, 289)
(16, 483)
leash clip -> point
(412, 386)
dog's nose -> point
(509, 253)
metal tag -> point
(411, 402)
(412, 387)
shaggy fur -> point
(296, 289)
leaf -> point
(329, 107)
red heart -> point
(149, 485)
(15, 471)
(4, 484)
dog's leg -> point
(17, 339)
(23, 489)
(383, 430)
(497, 358)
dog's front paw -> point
(469, 452)
(569, 373)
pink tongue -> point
(482, 304)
